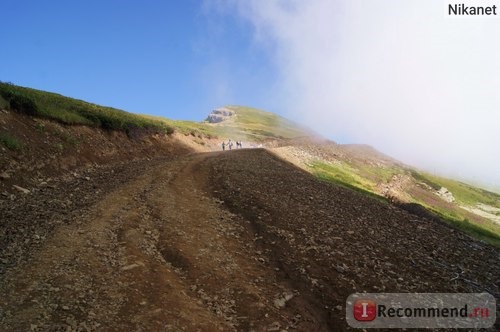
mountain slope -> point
(228, 241)
(474, 210)
(71, 111)
(122, 224)
(256, 125)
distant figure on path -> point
(223, 146)
(230, 144)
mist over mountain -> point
(397, 74)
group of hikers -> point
(229, 145)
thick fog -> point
(398, 75)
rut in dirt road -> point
(231, 241)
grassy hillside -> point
(368, 179)
(463, 193)
(365, 169)
(256, 125)
(248, 124)
(72, 111)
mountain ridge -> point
(361, 167)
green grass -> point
(4, 104)
(463, 193)
(10, 142)
(342, 173)
(75, 112)
(249, 124)
(424, 179)
(377, 174)
(40, 127)
(364, 179)
(257, 125)
(487, 232)
(66, 137)
(198, 129)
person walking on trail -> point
(223, 146)
(230, 143)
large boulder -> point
(219, 115)
(446, 195)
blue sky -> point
(401, 76)
(169, 58)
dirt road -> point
(218, 241)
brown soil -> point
(50, 149)
(238, 240)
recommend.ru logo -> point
(421, 310)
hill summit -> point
(219, 115)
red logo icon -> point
(364, 310)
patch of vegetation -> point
(4, 104)
(488, 232)
(364, 180)
(378, 174)
(66, 137)
(40, 127)
(10, 142)
(22, 104)
(187, 127)
(422, 178)
(75, 112)
(342, 173)
(59, 147)
(463, 193)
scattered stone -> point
(4, 176)
(276, 326)
(280, 302)
(21, 189)
(130, 267)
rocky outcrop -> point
(219, 115)
(446, 195)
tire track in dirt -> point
(230, 241)
(155, 254)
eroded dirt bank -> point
(219, 241)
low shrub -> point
(10, 141)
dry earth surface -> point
(240, 240)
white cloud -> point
(395, 74)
